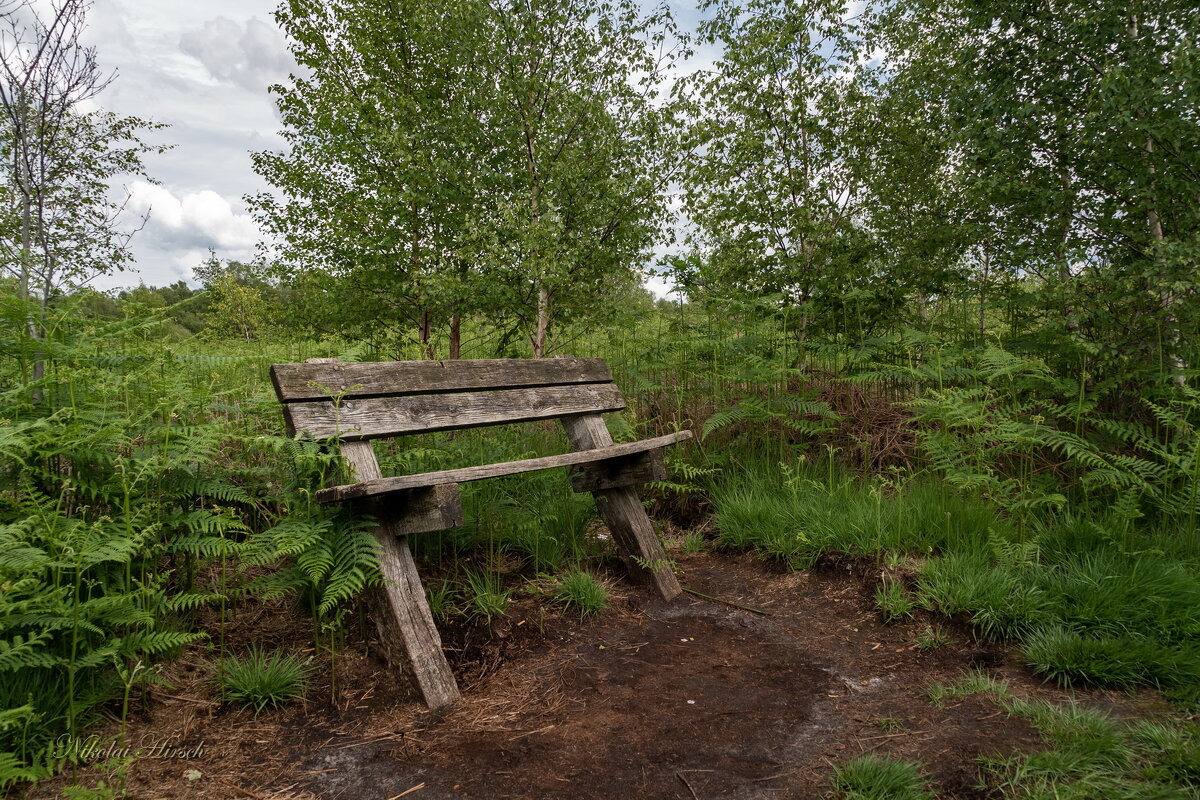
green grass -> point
(797, 514)
(1088, 602)
(581, 592)
(1091, 755)
(872, 777)
(486, 597)
(972, 682)
(892, 601)
(932, 637)
(260, 679)
(1087, 754)
(441, 600)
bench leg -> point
(622, 512)
(406, 626)
(410, 639)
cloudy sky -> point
(203, 68)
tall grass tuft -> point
(260, 679)
(871, 777)
(581, 592)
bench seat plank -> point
(376, 417)
(326, 379)
(463, 474)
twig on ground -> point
(726, 602)
(237, 788)
(688, 785)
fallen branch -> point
(726, 602)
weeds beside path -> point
(691, 699)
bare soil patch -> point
(691, 699)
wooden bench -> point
(357, 402)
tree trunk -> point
(1168, 324)
(543, 324)
(455, 337)
(984, 279)
(427, 335)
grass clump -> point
(973, 682)
(486, 596)
(262, 679)
(580, 591)
(931, 638)
(1091, 755)
(1088, 754)
(872, 777)
(1089, 601)
(892, 601)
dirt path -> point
(689, 700)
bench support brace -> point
(622, 512)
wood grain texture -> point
(410, 639)
(372, 418)
(612, 473)
(323, 379)
(622, 512)
(429, 508)
(379, 486)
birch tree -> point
(61, 224)
(776, 182)
(1073, 133)
(479, 157)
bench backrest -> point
(374, 399)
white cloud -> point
(252, 57)
(200, 219)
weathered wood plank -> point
(615, 472)
(410, 639)
(380, 486)
(622, 512)
(375, 417)
(330, 378)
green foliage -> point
(1092, 755)
(486, 597)
(580, 591)
(893, 601)
(972, 682)
(932, 637)
(262, 679)
(521, 144)
(795, 514)
(441, 600)
(136, 488)
(872, 777)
